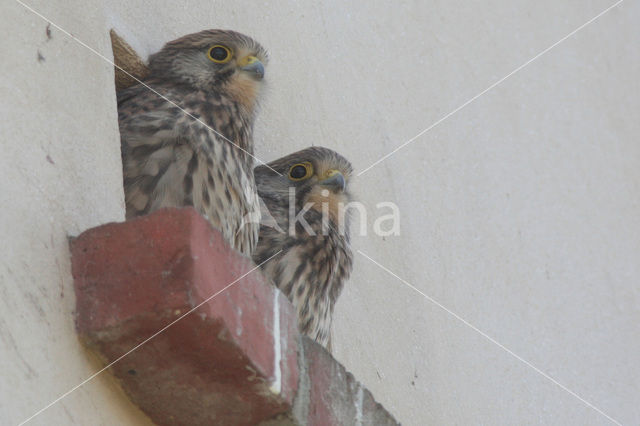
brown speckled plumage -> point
(312, 269)
(170, 159)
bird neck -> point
(230, 119)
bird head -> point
(226, 62)
(319, 176)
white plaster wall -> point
(59, 175)
(520, 213)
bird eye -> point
(219, 54)
(300, 171)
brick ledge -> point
(237, 359)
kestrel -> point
(313, 235)
(187, 132)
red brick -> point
(329, 395)
(215, 366)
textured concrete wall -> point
(520, 213)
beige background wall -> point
(520, 213)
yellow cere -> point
(247, 60)
(330, 173)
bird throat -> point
(328, 203)
(245, 91)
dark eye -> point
(300, 171)
(219, 54)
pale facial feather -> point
(320, 195)
(243, 87)
(332, 202)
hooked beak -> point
(334, 180)
(253, 66)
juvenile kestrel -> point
(195, 148)
(316, 259)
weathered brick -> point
(217, 364)
(197, 337)
(329, 395)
